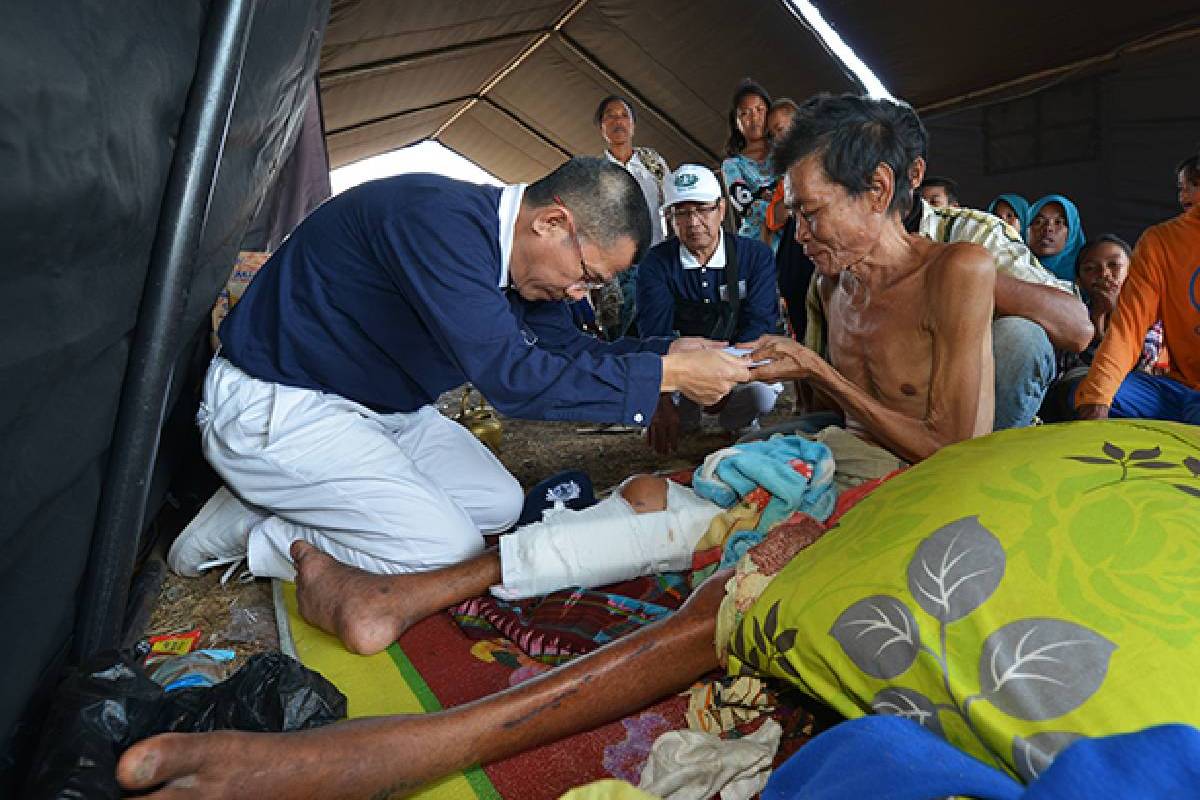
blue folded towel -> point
(728, 475)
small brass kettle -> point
(480, 420)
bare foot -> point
(225, 764)
(340, 761)
(368, 612)
(363, 610)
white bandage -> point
(606, 543)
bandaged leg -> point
(606, 543)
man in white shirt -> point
(617, 122)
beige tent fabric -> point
(512, 84)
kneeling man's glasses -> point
(589, 278)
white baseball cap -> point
(691, 183)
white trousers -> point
(387, 493)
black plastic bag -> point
(108, 704)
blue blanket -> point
(728, 475)
(892, 758)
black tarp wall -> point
(1107, 138)
(90, 108)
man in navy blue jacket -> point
(318, 412)
(710, 284)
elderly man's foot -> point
(227, 764)
(350, 759)
(368, 612)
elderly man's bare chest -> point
(881, 342)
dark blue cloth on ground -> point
(892, 758)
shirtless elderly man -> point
(910, 358)
(909, 334)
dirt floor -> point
(240, 616)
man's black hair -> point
(599, 115)
(949, 184)
(1190, 167)
(736, 142)
(853, 135)
(1104, 238)
(606, 201)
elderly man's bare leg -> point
(368, 612)
(374, 757)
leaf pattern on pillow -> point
(1005, 593)
(1033, 669)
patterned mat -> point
(434, 665)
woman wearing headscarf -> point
(747, 173)
(1056, 234)
(1013, 209)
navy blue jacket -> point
(388, 295)
(662, 279)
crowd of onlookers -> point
(1098, 268)
(1057, 295)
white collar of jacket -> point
(510, 206)
(689, 261)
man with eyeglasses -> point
(319, 412)
(711, 284)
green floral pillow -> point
(1012, 593)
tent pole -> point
(156, 342)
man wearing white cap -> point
(706, 283)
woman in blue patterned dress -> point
(747, 173)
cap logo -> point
(686, 180)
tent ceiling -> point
(512, 84)
(927, 54)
